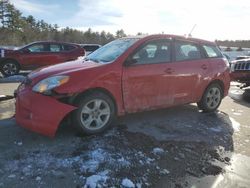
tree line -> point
(234, 43)
(16, 30)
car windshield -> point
(112, 50)
(21, 47)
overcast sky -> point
(214, 19)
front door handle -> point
(169, 71)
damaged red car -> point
(124, 76)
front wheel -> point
(9, 68)
(211, 98)
(95, 113)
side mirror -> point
(25, 51)
(129, 61)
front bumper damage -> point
(39, 113)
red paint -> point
(31, 60)
(134, 88)
(41, 114)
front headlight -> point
(47, 84)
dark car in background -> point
(89, 48)
(240, 71)
(37, 54)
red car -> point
(36, 55)
(124, 76)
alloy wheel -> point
(95, 114)
(10, 69)
(213, 97)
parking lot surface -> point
(175, 147)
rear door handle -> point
(169, 71)
(204, 66)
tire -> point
(95, 113)
(9, 68)
(211, 98)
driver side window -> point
(37, 48)
(158, 51)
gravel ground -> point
(175, 147)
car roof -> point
(90, 45)
(156, 36)
(54, 42)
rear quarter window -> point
(67, 47)
(90, 48)
(212, 51)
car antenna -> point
(190, 33)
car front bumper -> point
(39, 113)
(241, 76)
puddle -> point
(235, 175)
(186, 124)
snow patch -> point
(158, 151)
(95, 180)
(235, 124)
(127, 183)
(12, 176)
(15, 78)
(215, 129)
(237, 113)
(164, 172)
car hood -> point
(4, 52)
(62, 68)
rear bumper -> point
(39, 113)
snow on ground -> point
(235, 124)
(95, 181)
(95, 166)
(127, 183)
(11, 79)
(158, 151)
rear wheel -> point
(211, 98)
(95, 113)
(9, 68)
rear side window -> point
(186, 51)
(212, 51)
(55, 47)
(67, 47)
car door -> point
(37, 55)
(70, 52)
(56, 54)
(145, 79)
(188, 70)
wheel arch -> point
(76, 97)
(219, 82)
(216, 81)
(10, 59)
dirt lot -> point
(176, 147)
